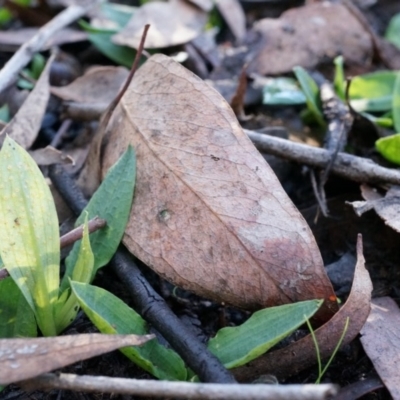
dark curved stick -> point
(148, 303)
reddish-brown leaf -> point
(302, 354)
(209, 214)
(26, 358)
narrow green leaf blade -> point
(67, 306)
(339, 81)
(111, 315)
(235, 346)
(122, 55)
(311, 91)
(396, 104)
(29, 238)
(112, 201)
(16, 316)
(392, 33)
(389, 147)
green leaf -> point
(5, 113)
(112, 201)
(5, 15)
(339, 81)
(386, 120)
(122, 55)
(311, 91)
(67, 306)
(392, 33)
(111, 315)
(396, 104)
(282, 91)
(235, 346)
(372, 92)
(16, 316)
(389, 147)
(29, 236)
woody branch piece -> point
(351, 167)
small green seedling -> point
(321, 372)
(30, 241)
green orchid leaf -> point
(389, 147)
(4, 113)
(111, 315)
(392, 33)
(68, 306)
(235, 346)
(339, 81)
(16, 316)
(311, 91)
(121, 55)
(112, 201)
(372, 92)
(396, 104)
(282, 91)
(29, 238)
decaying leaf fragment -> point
(26, 358)
(98, 85)
(25, 125)
(308, 35)
(172, 23)
(381, 342)
(209, 214)
(387, 207)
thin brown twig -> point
(76, 234)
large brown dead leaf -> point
(26, 358)
(209, 214)
(171, 23)
(302, 354)
(381, 341)
(309, 35)
(25, 125)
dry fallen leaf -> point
(381, 341)
(98, 85)
(301, 354)
(26, 358)
(309, 35)
(25, 125)
(387, 207)
(11, 40)
(49, 155)
(209, 214)
(234, 16)
(172, 23)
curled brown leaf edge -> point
(301, 354)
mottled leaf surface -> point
(209, 214)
